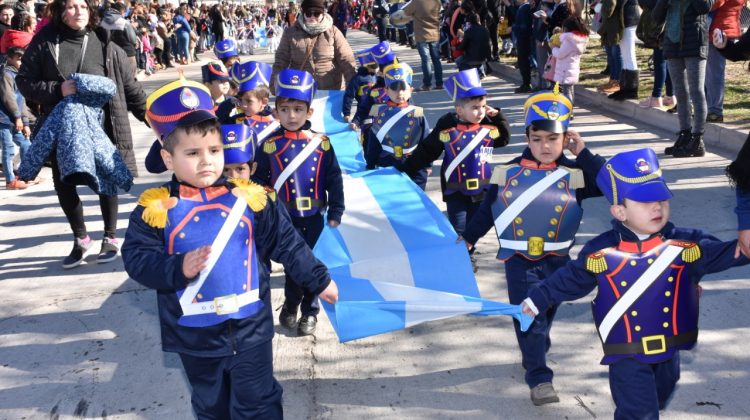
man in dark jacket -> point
(121, 31)
(522, 26)
(6, 15)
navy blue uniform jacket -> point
(147, 262)
(334, 183)
(586, 161)
(363, 77)
(574, 282)
(430, 148)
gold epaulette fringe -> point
(595, 263)
(156, 203)
(269, 146)
(253, 193)
(691, 253)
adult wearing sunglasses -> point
(315, 45)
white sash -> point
(516, 207)
(217, 248)
(392, 121)
(267, 131)
(639, 287)
(297, 161)
(478, 137)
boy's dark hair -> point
(533, 127)
(203, 128)
(15, 51)
(260, 92)
(281, 100)
(574, 24)
(466, 100)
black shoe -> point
(605, 71)
(523, 89)
(423, 88)
(110, 248)
(673, 110)
(693, 148)
(439, 87)
(682, 138)
(307, 325)
(288, 318)
(81, 248)
(714, 118)
(629, 81)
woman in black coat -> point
(72, 43)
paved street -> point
(85, 342)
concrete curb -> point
(724, 137)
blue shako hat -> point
(214, 70)
(464, 84)
(548, 110)
(398, 76)
(295, 84)
(251, 74)
(225, 49)
(634, 175)
(383, 54)
(178, 103)
(365, 58)
(239, 143)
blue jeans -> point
(614, 61)
(183, 43)
(715, 72)
(661, 75)
(10, 136)
(429, 52)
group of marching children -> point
(205, 239)
(646, 269)
(240, 191)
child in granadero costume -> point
(196, 241)
(646, 272)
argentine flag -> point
(394, 257)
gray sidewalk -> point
(84, 343)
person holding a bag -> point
(315, 45)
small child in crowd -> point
(226, 51)
(212, 291)
(534, 202)
(384, 56)
(397, 126)
(216, 79)
(573, 42)
(239, 151)
(14, 124)
(646, 272)
(301, 166)
(467, 136)
(252, 100)
(363, 81)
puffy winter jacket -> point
(568, 55)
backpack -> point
(648, 30)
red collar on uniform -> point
(261, 118)
(296, 135)
(191, 193)
(393, 104)
(645, 246)
(467, 127)
(526, 163)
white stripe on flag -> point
(318, 106)
(425, 304)
(373, 244)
